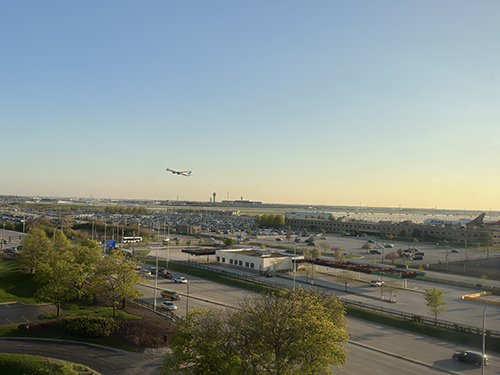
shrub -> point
(417, 318)
(89, 326)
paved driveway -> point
(18, 312)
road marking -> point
(9, 320)
(25, 318)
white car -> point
(376, 283)
(181, 280)
(168, 305)
(146, 272)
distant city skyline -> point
(335, 103)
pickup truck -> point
(172, 295)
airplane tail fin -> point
(478, 220)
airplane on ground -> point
(181, 173)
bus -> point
(131, 239)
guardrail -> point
(420, 318)
(381, 309)
(149, 306)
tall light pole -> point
(484, 328)
(294, 263)
(187, 299)
(156, 270)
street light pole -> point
(294, 265)
(156, 270)
(484, 335)
(187, 299)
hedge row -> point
(89, 326)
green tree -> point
(35, 250)
(188, 243)
(229, 242)
(204, 343)
(114, 280)
(311, 239)
(177, 242)
(401, 252)
(58, 279)
(288, 332)
(85, 258)
(434, 299)
(485, 239)
(288, 237)
(324, 246)
(367, 246)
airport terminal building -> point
(463, 234)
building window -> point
(241, 263)
(251, 265)
(218, 259)
(246, 264)
(230, 261)
(223, 260)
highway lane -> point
(409, 300)
(393, 349)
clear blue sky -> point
(378, 103)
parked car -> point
(454, 251)
(376, 283)
(469, 356)
(418, 257)
(322, 238)
(375, 251)
(181, 280)
(311, 244)
(278, 239)
(371, 241)
(171, 295)
(168, 305)
(388, 245)
(421, 253)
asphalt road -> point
(99, 358)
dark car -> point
(375, 252)
(418, 257)
(454, 251)
(469, 356)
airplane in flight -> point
(181, 173)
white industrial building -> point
(261, 260)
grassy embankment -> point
(20, 364)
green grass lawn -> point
(16, 285)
